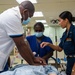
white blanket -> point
(32, 70)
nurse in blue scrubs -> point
(67, 40)
(35, 41)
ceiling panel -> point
(8, 2)
(50, 8)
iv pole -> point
(56, 44)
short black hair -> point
(39, 24)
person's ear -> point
(66, 20)
(25, 11)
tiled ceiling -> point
(50, 8)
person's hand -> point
(39, 61)
(73, 73)
(73, 70)
(43, 44)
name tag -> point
(68, 39)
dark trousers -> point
(70, 63)
(6, 68)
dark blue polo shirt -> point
(68, 41)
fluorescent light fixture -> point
(45, 24)
(38, 14)
(43, 21)
(20, 1)
(33, 1)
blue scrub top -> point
(68, 41)
(35, 45)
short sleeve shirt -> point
(10, 25)
(68, 41)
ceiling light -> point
(38, 14)
(33, 1)
(45, 24)
(20, 1)
(43, 21)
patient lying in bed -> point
(34, 70)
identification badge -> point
(68, 39)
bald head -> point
(28, 5)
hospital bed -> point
(22, 69)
